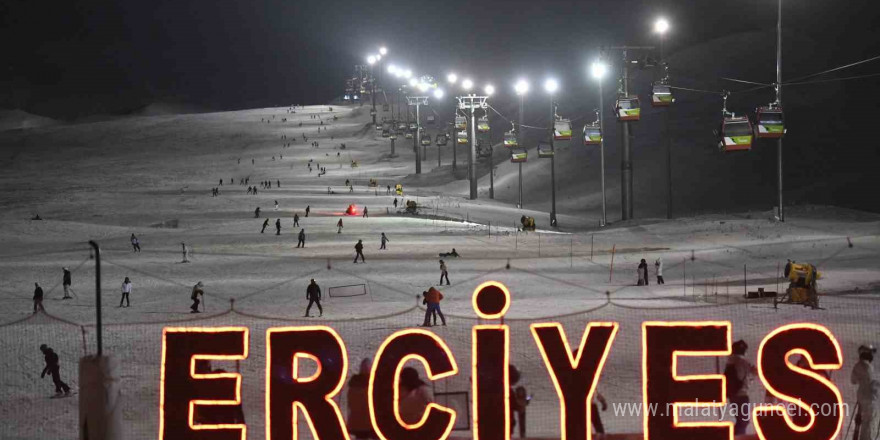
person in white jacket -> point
(415, 395)
(659, 266)
(867, 392)
(126, 290)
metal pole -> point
(438, 151)
(552, 165)
(98, 327)
(626, 202)
(392, 147)
(668, 146)
(416, 143)
(779, 103)
(454, 137)
(602, 148)
(373, 93)
(491, 162)
(472, 157)
(521, 144)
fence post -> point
(591, 247)
(611, 274)
(745, 283)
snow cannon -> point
(352, 210)
(802, 287)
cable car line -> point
(712, 92)
(746, 82)
(838, 68)
(818, 81)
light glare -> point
(521, 87)
(467, 84)
(661, 26)
(452, 78)
(598, 69)
(551, 85)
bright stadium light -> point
(413, 82)
(378, 57)
(407, 73)
(598, 69)
(371, 59)
(423, 86)
(383, 50)
(392, 69)
(661, 26)
(438, 93)
(452, 78)
(467, 84)
(551, 85)
(521, 87)
(489, 89)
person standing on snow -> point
(276, 205)
(359, 249)
(395, 203)
(196, 293)
(738, 372)
(866, 394)
(308, 208)
(66, 282)
(358, 406)
(415, 396)
(265, 225)
(296, 220)
(659, 266)
(135, 244)
(444, 273)
(339, 226)
(366, 214)
(185, 251)
(38, 298)
(313, 294)
(643, 273)
(301, 238)
(384, 240)
(126, 290)
(433, 298)
(278, 226)
(256, 211)
(54, 369)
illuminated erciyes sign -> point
(574, 374)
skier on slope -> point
(313, 294)
(359, 249)
(66, 282)
(265, 225)
(53, 369)
(197, 292)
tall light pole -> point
(470, 102)
(598, 70)
(372, 60)
(521, 88)
(781, 212)
(551, 86)
(490, 89)
(438, 94)
(660, 27)
(452, 78)
(417, 101)
(626, 187)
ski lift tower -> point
(626, 184)
(471, 103)
(417, 101)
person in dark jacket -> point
(135, 244)
(384, 240)
(38, 298)
(359, 248)
(196, 293)
(265, 225)
(66, 282)
(296, 220)
(256, 211)
(54, 370)
(301, 238)
(308, 209)
(313, 294)
(278, 227)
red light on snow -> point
(352, 210)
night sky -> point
(244, 53)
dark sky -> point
(244, 53)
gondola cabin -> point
(544, 151)
(771, 122)
(460, 123)
(440, 140)
(483, 124)
(510, 140)
(661, 95)
(393, 136)
(736, 134)
(408, 135)
(462, 137)
(426, 140)
(413, 126)
(519, 156)
(401, 126)
(562, 130)
(627, 108)
(431, 119)
(592, 134)
(386, 133)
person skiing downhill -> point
(135, 244)
(339, 226)
(66, 282)
(313, 294)
(38, 298)
(265, 225)
(53, 369)
(384, 240)
(278, 226)
(359, 248)
(444, 273)
(126, 290)
(196, 293)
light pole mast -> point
(781, 212)
(470, 103)
(519, 142)
(491, 162)
(599, 70)
(417, 101)
(552, 163)
(626, 202)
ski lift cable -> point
(713, 92)
(497, 112)
(846, 66)
(745, 82)
(818, 81)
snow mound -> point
(19, 119)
